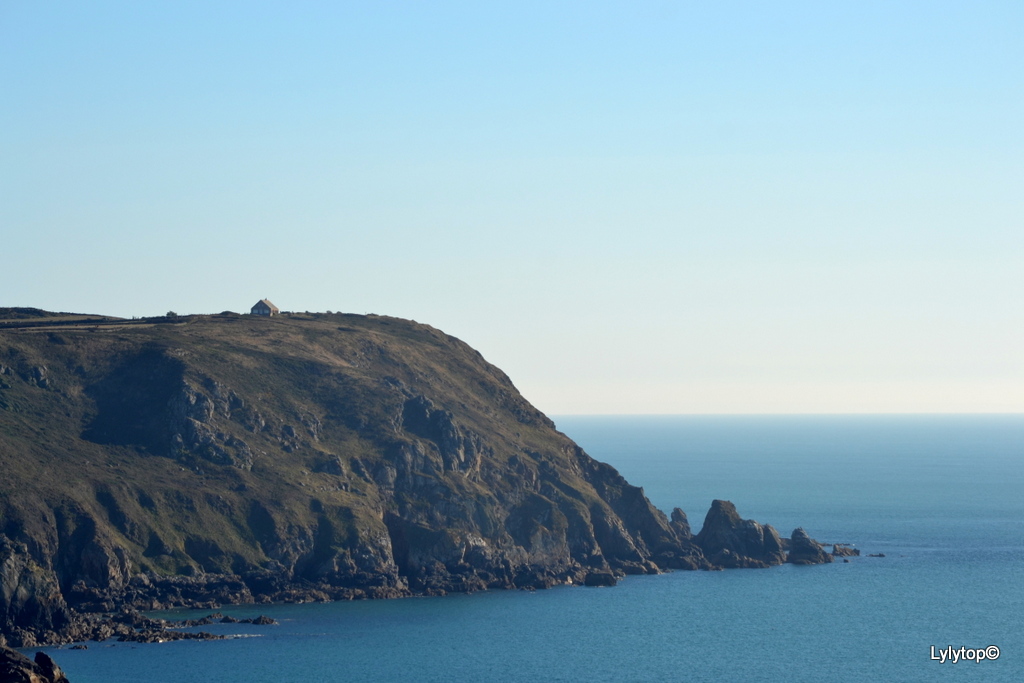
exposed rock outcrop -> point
(600, 579)
(805, 550)
(844, 550)
(17, 668)
(49, 668)
(32, 607)
(729, 541)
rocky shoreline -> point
(128, 626)
(726, 541)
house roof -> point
(268, 305)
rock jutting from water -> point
(805, 550)
(17, 668)
(729, 542)
(844, 550)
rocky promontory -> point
(206, 460)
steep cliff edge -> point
(216, 459)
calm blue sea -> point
(942, 497)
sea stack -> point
(731, 542)
(805, 550)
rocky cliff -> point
(215, 459)
(17, 668)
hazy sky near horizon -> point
(642, 207)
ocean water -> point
(941, 496)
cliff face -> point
(231, 458)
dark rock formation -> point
(32, 608)
(600, 579)
(49, 668)
(805, 550)
(680, 523)
(844, 550)
(729, 541)
(17, 668)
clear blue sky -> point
(642, 207)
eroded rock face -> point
(460, 449)
(680, 523)
(805, 550)
(194, 413)
(17, 668)
(31, 603)
(49, 669)
(729, 541)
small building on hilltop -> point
(264, 307)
